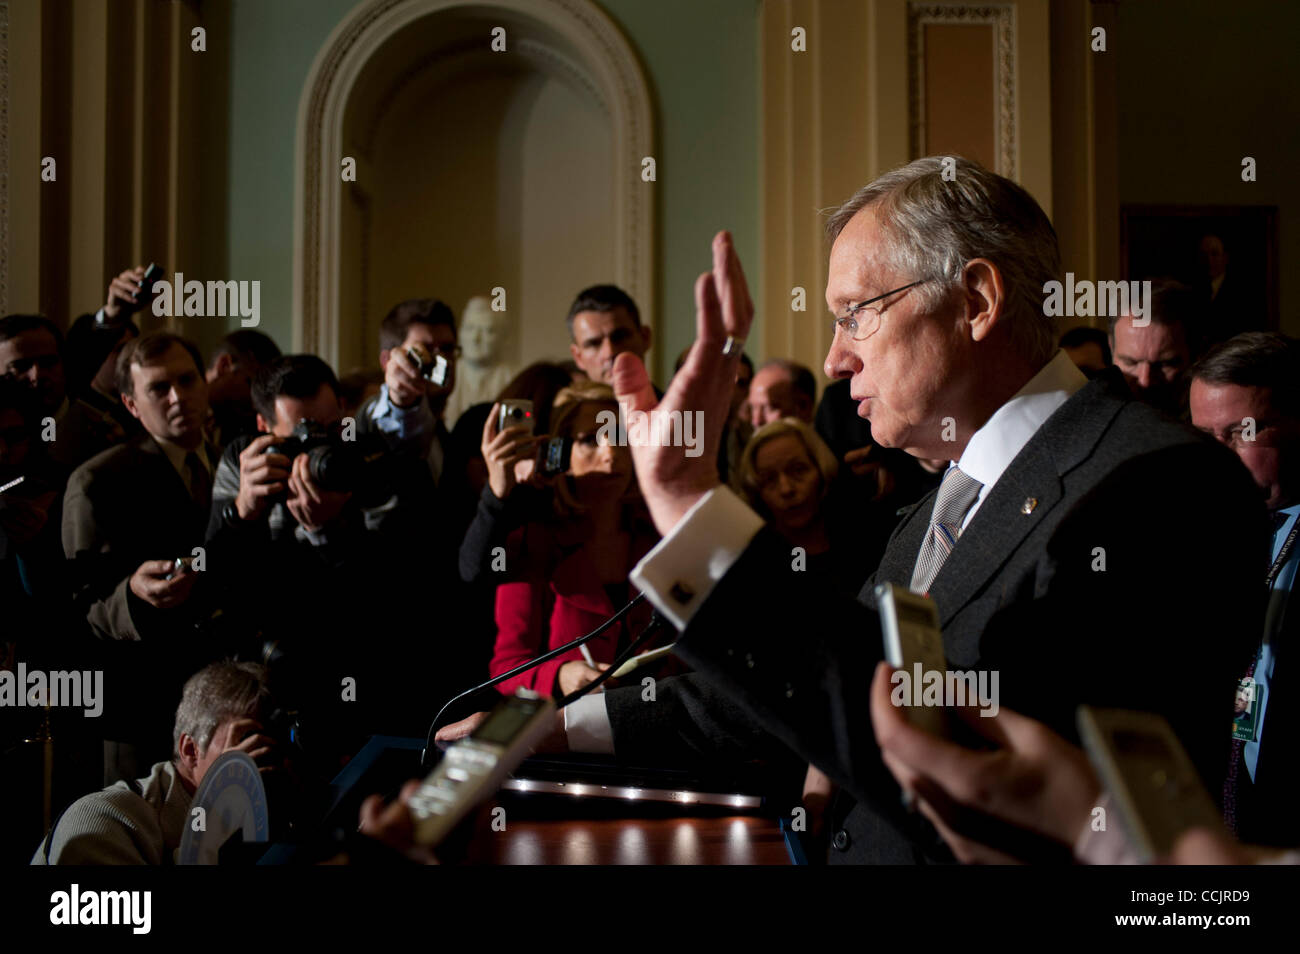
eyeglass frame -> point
(853, 310)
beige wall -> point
(138, 142)
(843, 112)
(526, 182)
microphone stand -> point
(524, 667)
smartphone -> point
(181, 565)
(516, 413)
(910, 626)
(1151, 780)
(432, 367)
(555, 455)
(144, 297)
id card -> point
(1245, 715)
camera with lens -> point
(335, 464)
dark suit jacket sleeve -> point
(688, 722)
(797, 659)
(225, 484)
(1167, 627)
(100, 577)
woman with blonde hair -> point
(786, 473)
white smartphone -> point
(473, 768)
(909, 623)
(1151, 780)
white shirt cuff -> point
(678, 575)
(587, 727)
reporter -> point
(513, 494)
(224, 707)
(568, 574)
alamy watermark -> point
(79, 689)
(1086, 299)
(934, 687)
(640, 429)
(196, 299)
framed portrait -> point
(1228, 252)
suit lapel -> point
(168, 479)
(1029, 489)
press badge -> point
(1245, 717)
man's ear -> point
(225, 364)
(575, 352)
(262, 426)
(189, 753)
(985, 297)
(128, 402)
(647, 336)
(383, 358)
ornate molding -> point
(1002, 18)
(594, 54)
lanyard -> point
(1282, 555)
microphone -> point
(636, 643)
(524, 667)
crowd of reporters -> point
(364, 562)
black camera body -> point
(334, 464)
(555, 455)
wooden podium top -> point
(725, 840)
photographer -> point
(568, 574)
(224, 707)
(293, 537)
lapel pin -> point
(1028, 506)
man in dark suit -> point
(1083, 547)
(129, 513)
(1246, 394)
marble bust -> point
(481, 372)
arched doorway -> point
(475, 169)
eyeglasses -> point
(869, 324)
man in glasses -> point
(410, 406)
(1079, 538)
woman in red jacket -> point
(569, 574)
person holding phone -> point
(567, 574)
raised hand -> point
(670, 481)
(124, 292)
(502, 450)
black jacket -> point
(1168, 626)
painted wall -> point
(700, 57)
(1200, 90)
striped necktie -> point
(956, 494)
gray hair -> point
(933, 226)
(217, 693)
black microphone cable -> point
(637, 642)
(524, 667)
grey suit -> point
(1167, 625)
